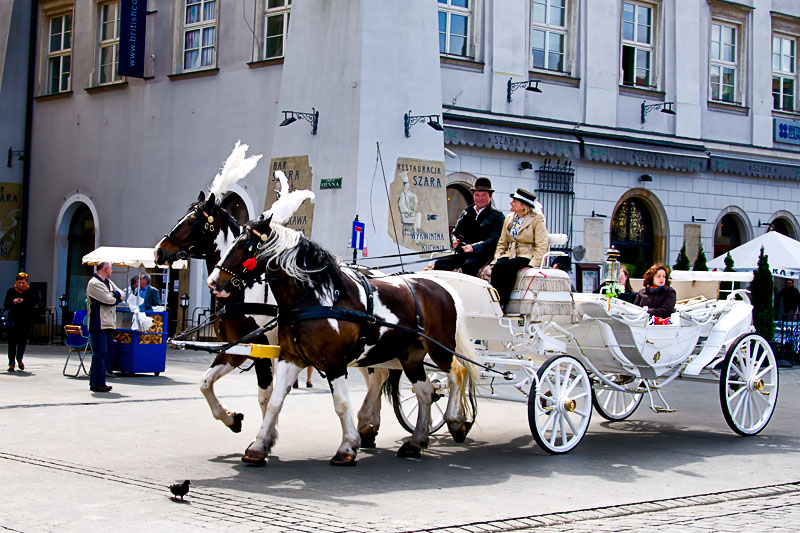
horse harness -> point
(200, 227)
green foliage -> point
(640, 266)
(729, 263)
(700, 264)
(682, 262)
(761, 297)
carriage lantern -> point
(612, 265)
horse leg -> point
(346, 454)
(256, 453)
(222, 365)
(423, 389)
(369, 416)
(264, 377)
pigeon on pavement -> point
(180, 489)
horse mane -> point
(301, 259)
(229, 222)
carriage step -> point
(662, 409)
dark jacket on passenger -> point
(660, 302)
(481, 231)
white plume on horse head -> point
(288, 202)
(236, 167)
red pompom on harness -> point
(250, 264)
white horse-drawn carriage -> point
(564, 353)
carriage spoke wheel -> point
(612, 404)
(404, 402)
(560, 405)
(748, 384)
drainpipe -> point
(26, 164)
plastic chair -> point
(78, 342)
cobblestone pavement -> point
(75, 461)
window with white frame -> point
(784, 72)
(638, 44)
(724, 64)
(59, 53)
(199, 34)
(454, 27)
(276, 27)
(548, 34)
(108, 25)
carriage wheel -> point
(748, 384)
(404, 402)
(560, 407)
(612, 404)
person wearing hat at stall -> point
(476, 232)
(523, 243)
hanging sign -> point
(418, 209)
(10, 210)
(132, 21)
(299, 174)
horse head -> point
(195, 234)
(242, 263)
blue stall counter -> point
(141, 352)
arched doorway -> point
(80, 241)
(729, 233)
(632, 232)
(783, 226)
(234, 204)
(458, 197)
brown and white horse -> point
(331, 316)
(204, 232)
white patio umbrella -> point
(783, 255)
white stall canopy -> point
(783, 255)
(126, 257)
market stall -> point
(142, 335)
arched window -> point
(80, 242)
(233, 204)
(632, 231)
(458, 197)
(728, 235)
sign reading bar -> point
(132, 20)
(786, 131)
(298, 172)
(330, 183)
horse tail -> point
(465, 371)
(391, 387)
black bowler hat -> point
(524, 196)
(482, 184)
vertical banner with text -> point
(419, 205)
(10, 212)
(132, 21)
(298, 172)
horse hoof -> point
(460, 435)
(344, 459)
(236, 427)
(368, 440)
(254, 459)
(409, 450)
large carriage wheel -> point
(748, 384)
(404, 402)
(560, 408)
(612, 404)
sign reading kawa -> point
(133, 14)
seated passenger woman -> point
(522, 243)
(657, 295)
(627, 294)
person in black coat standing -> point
(476, 233)
(657, 295)
(19, 303)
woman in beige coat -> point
(523, 243)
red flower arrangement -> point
(250, 264)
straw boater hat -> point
(524, 196)
(482, 184)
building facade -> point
(643, 124)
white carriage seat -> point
(541, 293)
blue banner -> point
(132, 19)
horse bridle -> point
(240, 281)
(207, 227)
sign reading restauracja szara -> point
(10, 202)
(298, 172)
(418, 205)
